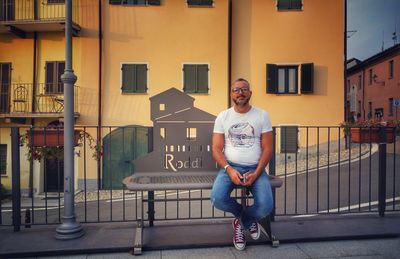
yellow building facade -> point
(125, 52)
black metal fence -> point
(327, 174)
(36, 10)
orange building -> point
(373, 86)
(127, 51)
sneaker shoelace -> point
(253, 227)
(239, 235)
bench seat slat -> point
(156, 181)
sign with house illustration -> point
(182, 135)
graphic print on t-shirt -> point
(241, 135)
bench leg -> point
(266, 228)
(137, 243)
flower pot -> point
(371, 135)
(49, 137)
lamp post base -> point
(69, 230)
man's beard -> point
(241, 102)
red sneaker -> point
(239, 240)
(255, 231)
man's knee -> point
(264, 208)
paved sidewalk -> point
(368, 248)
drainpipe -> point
(229, 52)
(69, 229)
(33, 109)
(99, 108)
(345, 59)
(363, 92)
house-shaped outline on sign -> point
(182, 135)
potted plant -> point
(49, 137)
(369, 131)
(49, 143)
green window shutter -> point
(49, 84)
(60, 71)
(272, 78)
(307, 78)
(289, 137)
(3, 159)
(290, 4)
(141, 78)
(202, 79)
(128, 78)
(189, 74)
(117, 2)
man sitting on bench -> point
(242, 146)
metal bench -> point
(180, 157)
(161, 181)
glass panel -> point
(281, 80)
(292, 80)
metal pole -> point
(272, 170)
(16, 185)
(69, 229)
(382, 173)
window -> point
(284, 79)
(195, 78)
(54, 70)
(359, 107)
(284, 5)
(359, 82)
(390, 108)
(55, 1)
(202, 3)
(370, 76)
(3, 159)
(134, 78)
(191, 133)
(379, 113)
(289, 139)
(391, 69)
(135, 2)
(369, 115)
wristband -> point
(228, 165)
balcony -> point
(26, 101)
(22, 16)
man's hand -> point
(235, 176)
(251, 177)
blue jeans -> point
(260, 189)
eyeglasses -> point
(240, 90)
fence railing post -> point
(272, 169)
(16, 185)
(382, 172)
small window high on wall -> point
(135, 2)
(283, 79)
(285, 5)
(200, 3)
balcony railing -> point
(41, 12)
(24, 99)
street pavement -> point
(369, 248)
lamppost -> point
(69, 229)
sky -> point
(374, 21)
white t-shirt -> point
(243, 134)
